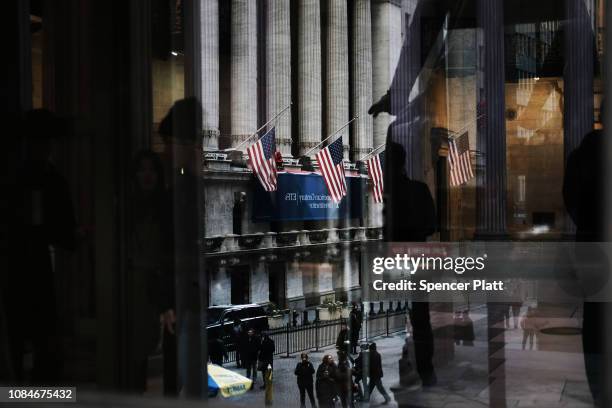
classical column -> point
(337, 70)
(260, 283)
(295, 285)
(577, 79)
(220, 285)
(278, 70)
(16, 83)
(243, 70)
(309, 75)
(491, 177)
(362, 78)
(141, 95)
(209, 77)
(386, 46)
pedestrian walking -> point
(361, 367)
(344, 379)
(238, 338)
(355, 321)
(304, 372)
(326, 383)
(250, 353)
(528, 324)
(376, 374)
(266, 356)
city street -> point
(550, 375)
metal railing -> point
(290, 339)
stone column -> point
(337, 70)
(141, 96)
(295, 285)
(491, 177)
(209, 77)
(324, 278)
(278, 72)
(220, 286)
(362, 78)
(243, 70)
(260, 288)
(17, 46)
(309, 75)
(386, 46)
(578, 74)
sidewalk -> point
(286, 393)
(550, 375)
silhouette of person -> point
(584, 197)
(342, 341)
(355, 322)
(376, 374)
(304, 371)
(266, 356)
(468, 328)
(409, 215)
(344, 379)
(149, 262)
(182, 316)
(41, 217)
(325, 384)
(529, 326)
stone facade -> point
(306, 49)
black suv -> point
(221, 320)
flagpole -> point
(458, 132)
(333, 134)
(372, 152)
(262, 126)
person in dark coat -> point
(238, 338)
(360, 370)
(326, 382)
(468, 329)
(251, 349)
(342, 341)
(266, 355)
(304, 372)
(186, 291)
(410, 216)
(584, 195)
(355, 321)
(37, 215)
(376, 374)
(216, 350)
(344, 379)
(149, 265)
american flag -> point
(261, 160)
(376, 164)
(332, 169)
(460, 165)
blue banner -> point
(302, 197)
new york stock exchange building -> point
(155, 111)
(308, 68)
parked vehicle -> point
(221, 321)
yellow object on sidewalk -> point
(269, 386)
(228, 382)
